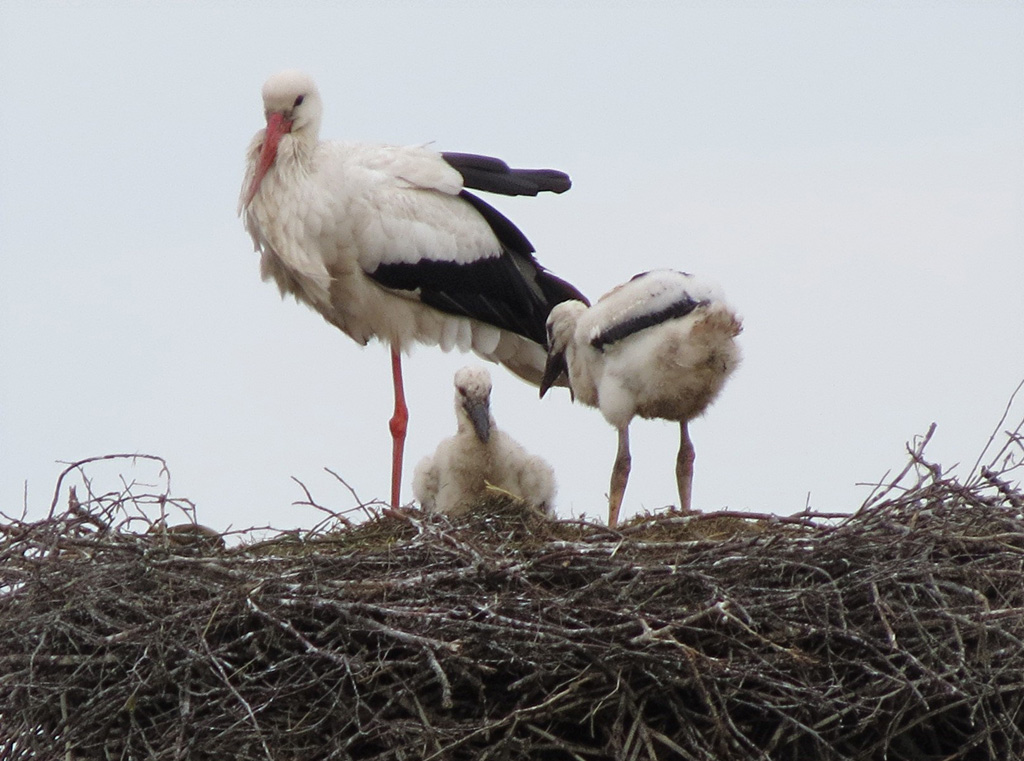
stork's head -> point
(473, 400)
(561, 327)
(292, 106)
(290, 98)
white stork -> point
(660, 346)
(456, 476)
(386, 242)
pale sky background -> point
(851, 173)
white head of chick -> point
(480, 455)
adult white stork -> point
(457, 474)
(660, 346)
(386, 242)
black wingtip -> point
(549, 180)
(493, 175)
(556, 290)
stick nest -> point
(894, 633)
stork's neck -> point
(296, 151)
(581, 375)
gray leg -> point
(620, 475)
(684, 467)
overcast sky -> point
(852, 174)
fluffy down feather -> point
(661, 345)
(456, 476)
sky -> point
(851, 174)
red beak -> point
(277, 125)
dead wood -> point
(895, 632)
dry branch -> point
(894, 633)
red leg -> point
(398, 425)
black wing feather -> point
(495, 176)
(490, 290)
(554, 289)
(626, 328)
(510, 291)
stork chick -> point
(659, 346)
(457, 475)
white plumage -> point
(659, 346)
(386, 242)
(456, 476)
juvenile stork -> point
(456, 476)
(660, 346)
(386, 242)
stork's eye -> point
(298, 101)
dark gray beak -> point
(480, 416)
(553, 370)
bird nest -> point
(895, 633)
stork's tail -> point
(720, 321)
